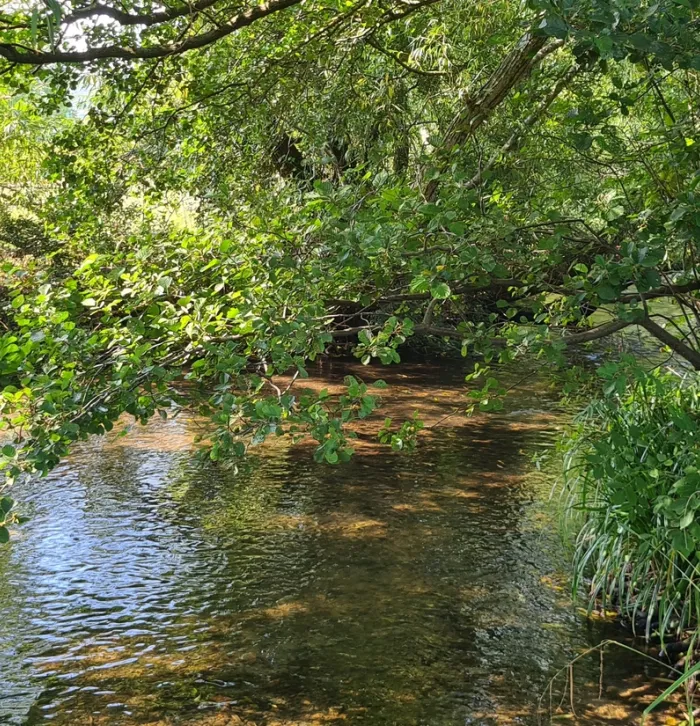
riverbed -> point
(150, 587)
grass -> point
(631, 490)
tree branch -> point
(586, 336)
(517, 64)
(677, 346)
(663, 291)
(601, 331)
(527, 124)
(417, 296)
(17, 54)
(147, 19)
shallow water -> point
(398, 589)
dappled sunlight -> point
(353, 527)
(426, 505)
(175, 435)
(290, 521)
(284, 610)
(332, 334)
(610, 705)
(396, 588)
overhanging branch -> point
(26, 56)
(676, 345)
(515, 139)
(663, 291)
(146, 19)
(17, 53)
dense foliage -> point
(218, 193)
(632, 470)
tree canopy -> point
(218, 193)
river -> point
(399, 589)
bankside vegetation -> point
(220, 192)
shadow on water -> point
(151, 588)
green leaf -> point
(687, 519)
(547, 243)
(671, 689)
(678, 213)
(56, 10)
(34, 24)
(4, 535)
(604, 43)
(615, 213)
(440, 290)
(606, 292)
(555, 26)
(583, 142)
(8, 450)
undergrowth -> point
(632, 488)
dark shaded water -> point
(148, 588)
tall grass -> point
(632, 488)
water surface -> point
(398, 589)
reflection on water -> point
(150, 588)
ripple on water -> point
(149, 588)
